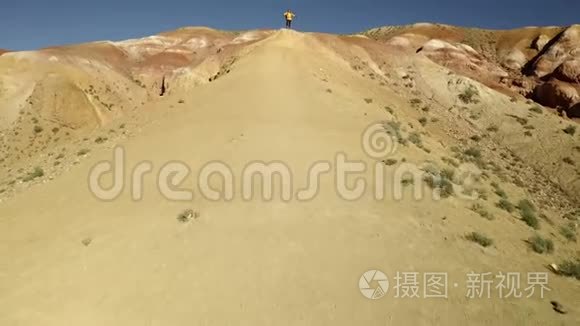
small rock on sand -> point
(558, 307)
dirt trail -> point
(255, 262)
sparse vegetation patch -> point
(570, 268)
(469, 95)
(506, 205)
(36, 173)
(83, 151)
(394, 129)
(570, 130)
(528, 213)
(541, 245)
(569, 231)
(390, 161)
(479, 209)
(480, 239)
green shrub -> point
(528, 213)
(394, 129)
(520, 120)
(475, 138)
(473, 152)
(439, 183)
(570, 130)
(446, 188)
(475, 116)
(448, 173)
(506, 205)
(469, 95)
(501, 193)
(570, 268)
(479, 209)
(186, 215)
(526, 205)
(569, 231)
(541, 245)
(36, 173)
(415, 138)
(407, 181)
(415, 101)
(83, 151)
(390, 162)
(530, 219)
(479, 238)
(423, 121)
(100, 140)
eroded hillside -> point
(540, 63)
(498, 178)
(57, 103)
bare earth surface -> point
(72, 259)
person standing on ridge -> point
(289, 15)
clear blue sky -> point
(31, 24)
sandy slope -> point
(253, 263)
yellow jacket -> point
(289, 15)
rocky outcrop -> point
(57, 95)
(542, 63)
(559, 64)
(463, 59)
(515, 60)
(564, 47)
(91, 84)
(574, 111)
(522, 85)
(568, 71)
(556, 94)
(540, 42)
